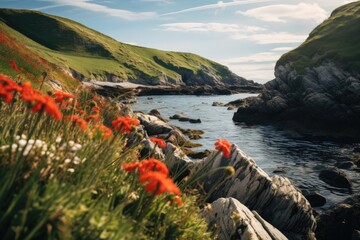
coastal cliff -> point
(317, 84)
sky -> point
(248, 36)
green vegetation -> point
(63, 177)
(337, 39)
(68, 44)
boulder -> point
(156, 113)
(177, 162)
(153, 125)
(234, 220)
(334, 177)
(314, 198)
(342, 221)
(217, 104)
(151, 150)
(275, 198)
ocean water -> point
(298, 157)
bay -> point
(288, 153)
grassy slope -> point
(337, 38)
(69, 44)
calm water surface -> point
(300, 158)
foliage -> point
(66, 177)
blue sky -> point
(248, 36)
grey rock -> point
(217, 104)
(177, 162)
(195, 121)
(345, 165)
(275, 198)
(235, 221)
(334, 177)
(151, 150)
(342, 221)
(314, 198)
(153, 125)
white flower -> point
(67, 161)
(76, 160)
(14, 146)
(71, 170)
(39, 143)
(58, 140)
(22, 143)
(71, 143)
(23, 136)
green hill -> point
(90, 55)
(337, 39)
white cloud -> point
(254, 58)
(283, 12)
(200, 27)
(271, 37)
(282, 49)
(217, 5)
(95, 7)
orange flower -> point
(160, 142)
(106, 132)
(96, 109)
(224, 146)
(80, 112)
(78, 120)
(14, 66)
(95, 117)
(61, 97)
(153, 165)
(157, 183)
(5, 94)
(147, 165)
(28, 94)
(47, 104)
(124, 124)
(178, 200)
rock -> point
(341, 221)
(177, 162)
(334, 177)
(184, 119)
(197, 155)
(176, 137)
(156, 113)
(275, 198)
(217, 104)
(233, 220)
(345, 165)
(230, 108)
(150, 148)
(153, 125)
(176, 116)
(314, 198)
(191, 133)
(195, 121)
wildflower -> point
(80, 112)
(153, 165)
(178, 200)
(160, 142)
(14, 66)
(106, 132)
(77, 120)
(224, 146)
(7, 87)
(28, 94)
(61, 96)
(130, 167)
(96, 109)
(157, 183)
(95, 117)
(47, 104)
(5, 94)
(124, 124)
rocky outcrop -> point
(274, 198)
(325, 94)
(233, 220)
(341, 221)
(153, 125)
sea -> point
(274, 149)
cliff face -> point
(319, 82)
(91, 56)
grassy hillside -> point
(70, 45)
(337, 38)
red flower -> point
(47, 104)
(106, 132)
(28, 94)
(130, 167)
(224, 146)
(78, 120)
(94, 117)
(124, 124)
(157, 183)
(96, 109)
(160, 142)
(153, 165)
(14, 66)
(80, 112)
(61, 97)
(5, 94)
(177, 199)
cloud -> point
(158, 1)
(282, 49)
(271, 37)
(217, 5)
(283, 12)
(254, 58)
(95, 7)
(200, 27)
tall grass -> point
(63, 174)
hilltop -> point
(89, 55)
(317, 84)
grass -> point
(60, 40)
(336, 39)
(63, 178)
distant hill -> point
(318, 83)
(89, 55)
